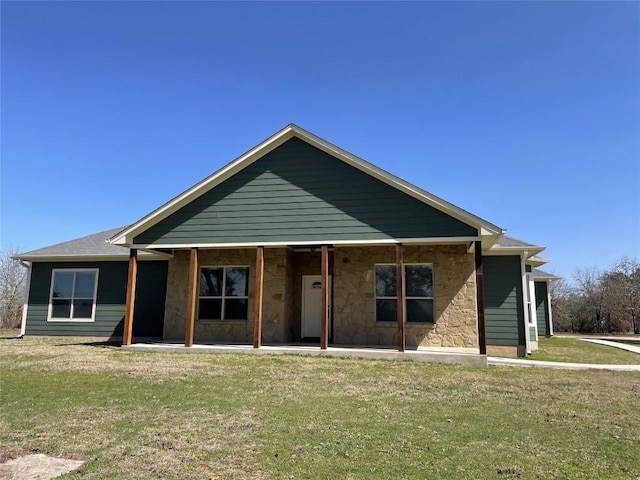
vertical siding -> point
(542, 309)
(300, 193)
(110, 301)
(504, 313)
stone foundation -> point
(506, 350)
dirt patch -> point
(37, 467)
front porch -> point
(461, 356)
(303, 296)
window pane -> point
(210, 309)
(386, 310)
(385, 281)
(85, 282)
(419, 280)
(63, 284)
(237, 282)
(61, 309)
(420, 311)
(211, 282)
(235, 309)
(82, 308)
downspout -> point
(525, 306)
(27, 285)
(549, 309)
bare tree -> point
(626, 276)
(12, 282)
(563, 305)
(593, 290)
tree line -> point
(599, 301)
(12, 283)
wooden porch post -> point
(192, 294)
(324, 326)
(132, 277)
(482, 339)
(400, 294)
(257, 306)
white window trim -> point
(404, 293)
(223, 297)
(93, 305)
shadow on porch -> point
(461, 356)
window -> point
(73, 295)
(224, 293)
(418, 293)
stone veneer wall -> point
(274, 301)
(454, 287)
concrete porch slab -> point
(463, 356)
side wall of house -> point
(542, 309)
(455, 311)
(110, 300)
(504, 311)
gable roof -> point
(126, 236)
(543, 276)
(91, 247)
(506, 245)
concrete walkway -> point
(460, 356)
(609, 343)
(520, 362)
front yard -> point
(148, 415)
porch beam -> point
(192, 294)
(257, 307)
(400, 295)
(132, 278)
(482, 338)
(324, 325)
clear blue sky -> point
(526, 114)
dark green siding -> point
(300, 193)
(110, 303)
(504, 314)
(542, 309)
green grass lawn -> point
(562, 349)
(149, 415)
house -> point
(297, 240)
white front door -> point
(312, 305)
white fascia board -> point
(546, 278)
(338, 243)
(90, 258)
(126, 236)
(398, 183)
(537, 261)
(530, 251)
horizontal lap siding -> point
(542, 312)
(504, 313)
(110, 302)
(298, 192)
